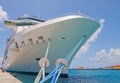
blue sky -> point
(105, 50)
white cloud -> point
(103, 57)
(86, 47)
(99, 55)
(3, 16)
(114, 55)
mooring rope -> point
(56, 72)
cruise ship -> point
(32, 38)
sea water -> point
(94, 76)
(80, 76)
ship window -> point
(23, 42)
(16, 45)
(30, 23)
(63, 38)
(18, 24)
(33, 23)
(40, 37)
(85, 35)
(30, 40)
(38, 59)
(24, 23)
(31, 18)
(6, 57)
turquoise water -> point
(81, 76)
(94, 76)
(27, 78)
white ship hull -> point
(64, 32)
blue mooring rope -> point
(55, 73)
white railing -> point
(78, 13)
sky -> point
(102, 49)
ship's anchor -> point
(61, 64)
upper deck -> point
(25, 20)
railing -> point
(78, 13)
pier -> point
(5, 77)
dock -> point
(5, 77)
